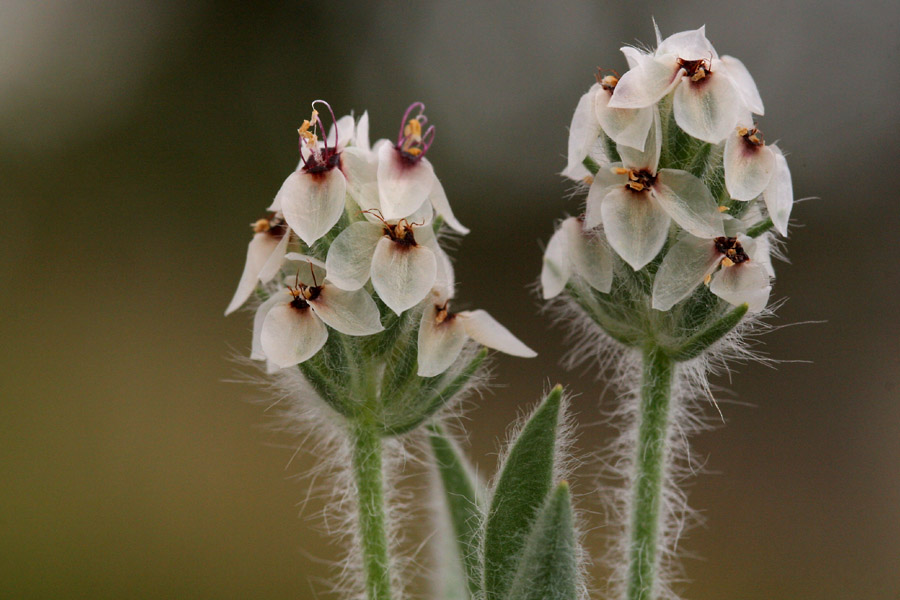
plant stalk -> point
(368, 474)
(649, 473)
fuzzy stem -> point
(367, 471)
(649, 473)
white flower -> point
(265, 254)
(636, 203)
(753, 168)
(742, 278)
(402, 176)
(585, 139)
(710, 92)
(402, 257)
(289, 327)
(574, 250)
(442, 335)
(312, 197)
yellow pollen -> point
(413, 129)
(700, 74)
(588, 180)
(413, 151)
(609, 81)
(307, 293)
(727, 262)
(261, 226)
(620, 171)
(635, 186)
(707, 279)
(723, 209)
(304, 131)
(441, 314)
(742, 131)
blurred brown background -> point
(138, 140)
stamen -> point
(732, 251)
(752, 136)
(638, 181)
(412, 142)
(261, 226)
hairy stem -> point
(649, 472)
(367, 471)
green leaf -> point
(523, 485)
(432, 396)
(463, 501)
(591, 165)
(549, 567)
(699, 342)
(760, 228)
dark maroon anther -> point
(322, 159)
(732, 250)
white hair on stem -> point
(294, 408)
(592, 349)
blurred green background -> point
(138, 140)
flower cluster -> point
(352, 243)
(680, 180)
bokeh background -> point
(138, 140)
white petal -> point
(312, 203)
(297, 257)
(557, 269)
(604, 179)
(745, 282)
(402, 275)
(282, 297)
(583, 132)
(438, 199)
(402, 185)
(645, 83)
(445, 277)
(308, 270)
(353, 313)
(708, 109)
(744, 83)
(291, 335)
(779, 195)
(484, 329)
(589, 253)
(626, 126)
(361, 171)
(689, 45)
(688, 202)
(748, 168)
(344, 127)
(349, 259)
(733, 227)
(648, 158)
(439, 343)
(635, 225)
(276, 258)
(361, 140)
(632, 55)
(259, 250)
(762, 253)
(685, 266)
